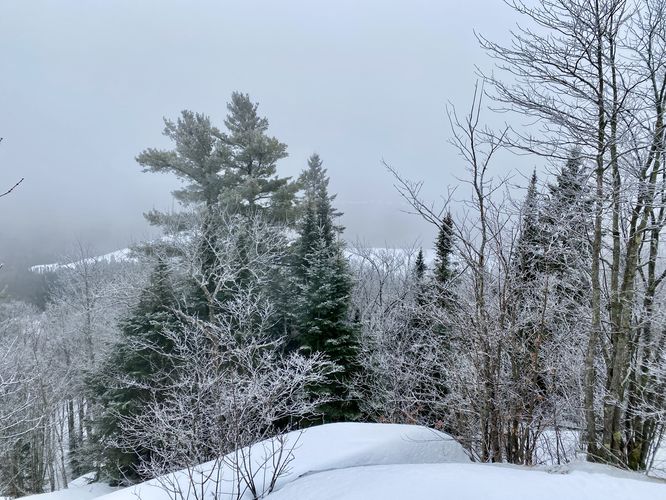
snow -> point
(322, 448)
(464, 482)
(659, 466)
(359, 444)
(127, 255)
(122, 255)
(564, 445)
(354, 461)
(79, 489)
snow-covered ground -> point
(356, 461)
(659, 465)
(78, 489)
(315, 450)
(464, 482)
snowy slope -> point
(317, 449)
(464, 482)
(356, 461)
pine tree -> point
(529, 382)
(199, 158)
(236, 167)
(420, 266)
(324, 327)
(250, 180)
(132, 360)
(232, 171)
(324, 281)
(530, 262)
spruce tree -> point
(420, 266)
(443, 270)
(529, 257)
(324, 283)
(566, 220)
(122, 384)
(324, 326)
(420, 270)
(317, 210)
(567, 224)
(529, 269)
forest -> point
(532, 330)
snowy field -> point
(380, 462)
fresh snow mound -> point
(464, 482)
(337, 446)
(317, 449)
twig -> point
(12, 188)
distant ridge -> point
(126, 255)
(122, 255)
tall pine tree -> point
(566, 221)
(232, 171)
(250, 180)
(236, 167)
(198, 158)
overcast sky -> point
(85, 85)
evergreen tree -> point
(199, 158)
(529, 256)
(530, 332)
(123, 383)
(567, 226)
(420, 266)
(236, 167)
(316, 210)
(324, 282)
(443, 266)
(232, 171)
(420, 270)
(324, 326)
(250, 180)
(566, 220)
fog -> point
(85, 86)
